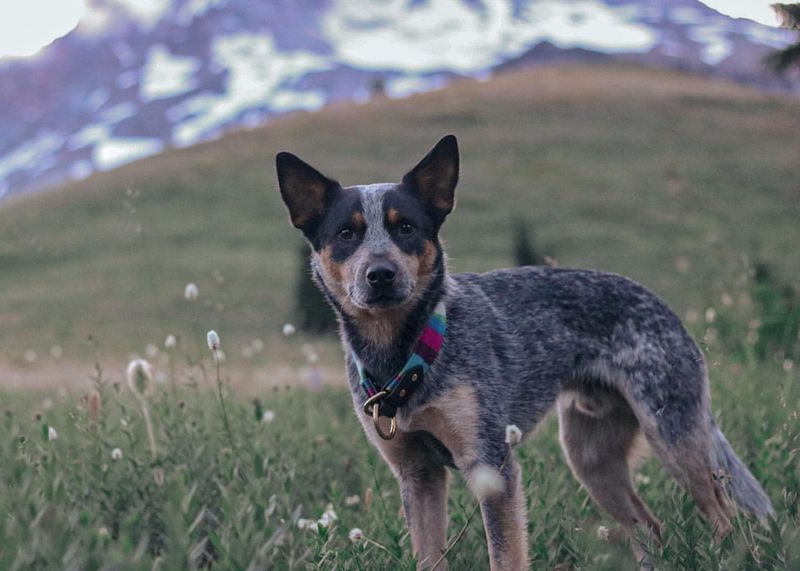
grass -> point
(678, 182)
(622, 169)
(233, 500)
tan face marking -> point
(357, 220)
(393, 216)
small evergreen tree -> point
(525, 251)
(314, 314)
(789, 56)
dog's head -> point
(375, 246)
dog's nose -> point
(380, 275)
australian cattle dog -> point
(444, 367)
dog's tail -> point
(736, 479)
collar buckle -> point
(373, 407)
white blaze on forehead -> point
(376, 239)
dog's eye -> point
(407, 228)
(346, 234)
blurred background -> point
(655, 138)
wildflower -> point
(289, 330)
(213, 341)
(140, 376)
(170, 342)
(355, 535)
(329, 513)
(486, 482)
(602, 533)
(788, 365)
(711, 315)
(303, 523)
(258, 345)
(513, 435)
(51, 433)
(56, 351)
(103, 532)
(190, 292)
(641, 479)
(30, 356)
(247, 351)
(268, 416)
(727, 300)
(116, 454)
(151, 350)
(352, 500)
(310, 353)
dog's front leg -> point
(504, 519)
(423, 489)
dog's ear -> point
(305, 191)
(434, 179)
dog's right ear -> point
(305, 191)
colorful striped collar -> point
(402, 385)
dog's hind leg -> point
(599, 434)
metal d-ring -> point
(372, 406)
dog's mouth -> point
(384, 300)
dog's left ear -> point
(434, 179)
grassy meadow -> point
(687, 185)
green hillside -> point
(667, 178)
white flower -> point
(56, 351)
(268, 416)
(711, 315)
(356, 535)
(139, 376)
(310, 353)
(486, 482)
(602, 533)
(213, 341)
(289, 330)
(247, 351)
(258, 345)
(116, 454)
(170, 342)
(103, 532)
(303, 523)
(513, 435)
(30, 356)
(190, 292)
(51, 433)
(352, 500)
(641, 479)
(330, 513)
(151, 350)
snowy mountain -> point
(138, 76)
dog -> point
(442, 366)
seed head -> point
(95, 404)
(190, 292)
(267, 417)
(289, 330)
(486, 482)
(213, 341)
(513, 435)
(51, 433)
(139, 376)
(170, 342)
(356, 535)
(116, 454)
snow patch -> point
(195, 8)
(451, 34)
(30, 154)
(404, 86)
(114, 152)
(686, 15)
(257, 77)
(119, 112)
(89, 135)
(716, 45)
(80, 169)
(167, 75)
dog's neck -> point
(385, 340)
